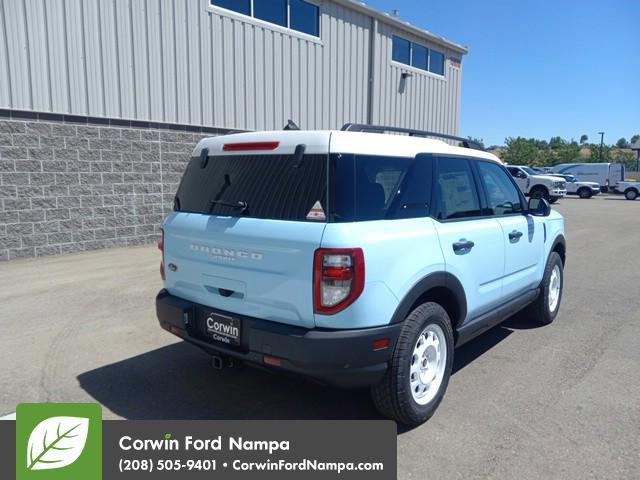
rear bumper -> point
(343, 358)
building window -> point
(297, 15)
(417, 55)
(436, 62)
(240, 6)
(272, 11)
(304, 17)
(401, 50)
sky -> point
(540, 68)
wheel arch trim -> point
(560, 240)
(444, 280)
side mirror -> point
(539, 207)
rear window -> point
(371, 187)
(277, 187)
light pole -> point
(601, 143)
(636, 147)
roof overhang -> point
(401, 24)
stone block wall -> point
(68, 187)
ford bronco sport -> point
(354, 257)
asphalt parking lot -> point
(561, 401)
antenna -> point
(291, 125)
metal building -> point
(101, 101)
(193, 62)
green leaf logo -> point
(56, 442)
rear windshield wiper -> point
(242, 206)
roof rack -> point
(361, 127)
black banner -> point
(185, 449)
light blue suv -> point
(354, 257)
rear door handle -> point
(463, 246)
(515, 235)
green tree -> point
(568, 152)
(556, 142)
(594, 156)
(635, 138)
(622, 143)
(520, 151)
(477, 140)
(584, 138)
(540, 144)
(546, 157)
(627, 158)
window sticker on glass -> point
(316, 212)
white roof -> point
(319, 141)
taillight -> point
(161, 248)
(338, 278)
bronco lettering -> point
(226, 252)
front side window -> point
(516, 172)
(456, 190)
(503, 197)
(302, 16)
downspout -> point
(371, 80)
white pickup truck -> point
(631, 190)
(535, 185)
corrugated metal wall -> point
(424, 101)
(177, 61)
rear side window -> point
(456, 190)
(503, 197)
(276, 187)
(370, 187)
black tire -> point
(630, 194)
(392, 396)
(584, 192)
(540, 192)
(554, 199)
(540, 310)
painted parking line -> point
(11, 416)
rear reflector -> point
(381, 343)
(240, 147)
(161, 248)
(276, 362)
(176, 331)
